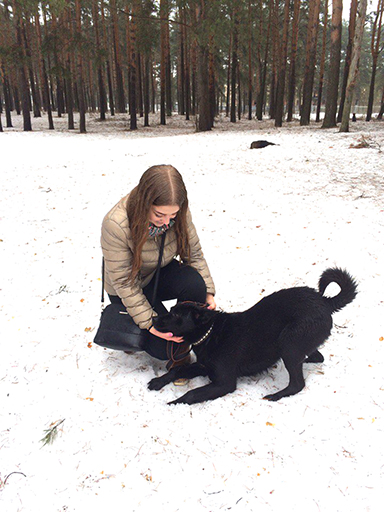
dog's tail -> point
(345, 281)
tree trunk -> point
(234, 66)
(23, 80)
(263, 64)
(117, 54)
(168, 72)
(68, 68)
(107, 62)
(292, 66)
(194, 93)
(212, 82)
(334, 66)
(381, 112)
(313, 25)
(204, 121)
(229, 71)
(351, 35)
(100, 78)
(275, 53)
(132, 59)
(371, 90)
(163, 58)
(282, 69)
(204, 112)
(7, 100)
(187, 70)
(181, 66)
(36, 99)
(239, 102)
(322, 62)
(80, 79)
(57, 63)
(250, 88)
(354, 66)
(375, 50)
(146, 90)
(43, 72)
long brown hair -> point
(160, 185)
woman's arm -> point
(118, 264)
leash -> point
(175, 353)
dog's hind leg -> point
(179, 372)
(315, 357)
(296, 378)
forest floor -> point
(267, 219)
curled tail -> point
(345, 281)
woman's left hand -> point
(210, 300)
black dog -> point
(289, 325)
(259, 144)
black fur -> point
(259, 144)
(289, 324)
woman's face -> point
(160, 215)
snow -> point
(267, 219)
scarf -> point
(155, 230)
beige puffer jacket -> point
(117, 246)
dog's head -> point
(184, 318)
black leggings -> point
(176, 281)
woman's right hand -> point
(168, 336)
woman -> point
(130, 242)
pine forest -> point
(314, 61)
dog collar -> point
(198, 342)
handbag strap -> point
(158, 268)
(156, 275)
(102, 282)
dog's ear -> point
(202, 315)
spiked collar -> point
(204, 337)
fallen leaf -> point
(381, 338)
(88, 329)
(270, 424)
(81, 300)
(89, 345)
(90, 399)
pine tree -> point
(334, 66)
(282, 69)
(293, 55)
(322, 62)
(310, 62)
(354, 65)
(351, 35)
(375, 51)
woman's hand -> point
(168, 336)
(210, 300)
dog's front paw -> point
(272, 398)
(178, 401)
(156, 384)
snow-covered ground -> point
(267, 219)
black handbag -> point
(117, 330)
